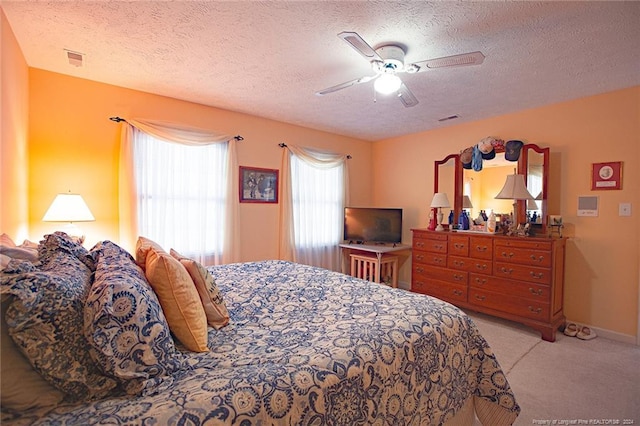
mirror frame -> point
(522, 168)
(457, 180)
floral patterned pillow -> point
(125, 325)
(45, 319)
(61, 242)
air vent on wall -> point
(75, 58)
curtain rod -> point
(238, 138)
(284, 145)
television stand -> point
(379, 249)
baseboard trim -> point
(404, 285)
(612, 335)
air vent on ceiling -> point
(75, 58)
(451, 117)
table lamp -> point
(439, 201)
(69, 208)
(514, 189)
(466, 202)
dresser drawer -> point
(441, 290)
(429, 258)
(522, 273)
(481, 247)
(510, 304)
(426, 272)
(534, 292)
(524, 256)
(527, 244)
(469, 264)
(435, 243)
(459, 245)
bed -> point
(307, 346)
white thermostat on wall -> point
(587, 206)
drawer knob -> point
(482, 266)
(458, 246)
(481, 298)
(458, 263)
(438, 246)
(419, 257)
(537, 276)
(481, 281)
(458, 277)
(437, 260)
(507, 255)
(536, 292)
(507, 271)
(420, 244)
(535, 310)
(457, 292)
(481, 248)
(420, 269)
(537, 258)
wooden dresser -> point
(519, 279)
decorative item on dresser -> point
(519, 279)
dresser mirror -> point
(482, 186)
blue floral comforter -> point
(307, 346)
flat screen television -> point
(372, 225)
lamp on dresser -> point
(514, 189)
(466, 202)
(439, 201)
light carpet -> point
(570, 381)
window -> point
(181, 195)
(317, 196)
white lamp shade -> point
(440, 200)
(514, 189)
(387, 84)
(466, 202)
(531, 205)
(68, 208)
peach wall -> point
(74, 146)
(13, 136)
(602, 257)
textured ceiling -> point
(269, 58)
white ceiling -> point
(269, 58)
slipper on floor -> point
(571, 329)
(586, 333)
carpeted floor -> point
(570, 381)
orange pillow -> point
(179, 299)
(143, 245)
(212, 301)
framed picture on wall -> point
(606, 176)
(258, 185)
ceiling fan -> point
(388, 60)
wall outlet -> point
(624, 209)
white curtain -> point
(177, 187)
(314, 194)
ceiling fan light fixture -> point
(387, 84)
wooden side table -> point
(375, 268)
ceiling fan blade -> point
(465, 59)
(344, 85)
(361, 46)
(407, 98)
